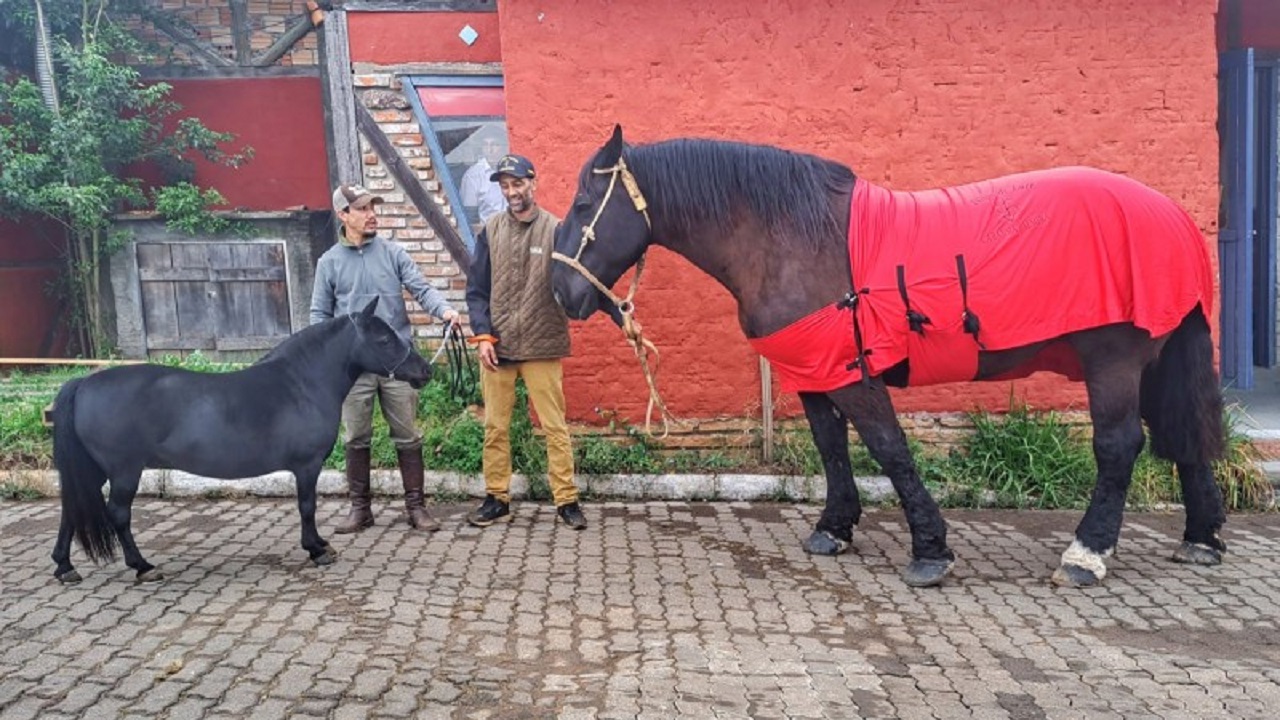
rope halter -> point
(626, 306)
(408, 348)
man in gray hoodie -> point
(358, 268)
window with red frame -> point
(464, 123)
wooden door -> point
(226, 298)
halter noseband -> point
(626, 306)
(619, 170)
(408, 347)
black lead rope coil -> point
(463, 376)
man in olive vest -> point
(520, 332)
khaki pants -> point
(543, 379)
(399, 403)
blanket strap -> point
(971, 322)
(916, 320)
(850, 300)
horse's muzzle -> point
(581, 307)
(416, 372)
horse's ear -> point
(612, 150)
(368, 309)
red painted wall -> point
(910, 95)
(1249, 23)
(387, 38)
(282, 119)
(31, 319)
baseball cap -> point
(354, 196)
(513, 165)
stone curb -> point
(729, 486)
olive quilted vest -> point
(528, 321)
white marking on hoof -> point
(1083, 557)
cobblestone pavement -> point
(658, 610)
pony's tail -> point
(1181, 397)
(81, 477)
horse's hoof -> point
(325, 558)
(927, 573)
(1197, 554)
(70, 577)
(822, 542)
(150, 576)
(1075, 576)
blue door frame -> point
(1264, 222)
(1235, 236)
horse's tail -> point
(83, 508)
(1181, 397)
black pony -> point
(849, 288)
(281, 413)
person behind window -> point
(481, 197)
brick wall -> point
(910, 95)
(382, 93)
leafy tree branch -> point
(73, 161)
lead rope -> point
(626, 307)
(463, 376)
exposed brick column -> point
(383, 95)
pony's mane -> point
(698, 181)
(306, 339)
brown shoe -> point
(412, 474)
(361, 516)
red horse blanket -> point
(1027, 257)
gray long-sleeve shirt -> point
(347, 278)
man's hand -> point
(488, 356)
(452, 317)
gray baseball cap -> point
(352, 196)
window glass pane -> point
(446, 101)
(468, 134)
(472, 147)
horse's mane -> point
(698, 181)
(306, 340)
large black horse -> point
(281, 413)
(849, 288)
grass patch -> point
(19, 491)
(1028, 459)
(1019, 459)
(1022, 459)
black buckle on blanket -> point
(971, 323)
(915, 320)
(850, 301)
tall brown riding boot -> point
(361, 515)
(412, 474)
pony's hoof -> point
(70, 577)
(927, 573)
(150, 576)
(822, 542)
(325, 558)
(1075, 576)
(1197, 554)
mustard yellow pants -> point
(544, 381)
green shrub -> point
(597, 455)
(1020, 459)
